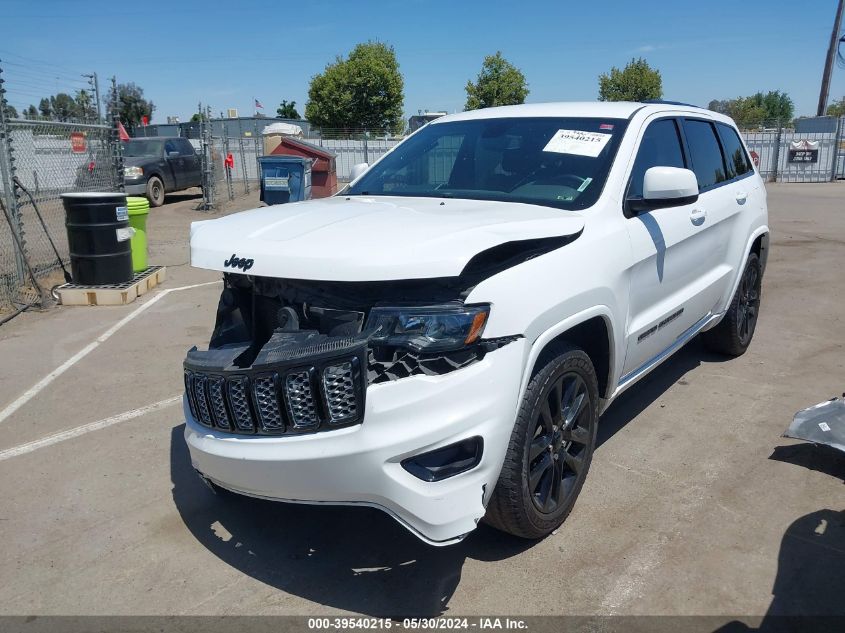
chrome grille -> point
(264, 388)
(239, 401)
(216, 400)
(301, 406)
(340, 392)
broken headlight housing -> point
(436, 328)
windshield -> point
(143, 148)
(556, 162)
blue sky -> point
(224, 54)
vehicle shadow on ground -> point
(643, 394)
(360, 559)
(354, 559)
(182, 196)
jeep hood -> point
(371, 238)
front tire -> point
(550, 449)
(155, 191)
(736, 329)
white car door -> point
(744, 195)
(679, 268)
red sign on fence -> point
(77, 142)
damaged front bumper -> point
(362, 463)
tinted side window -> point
(660, 147)
(705, 153)
(170, 146)
(185, 147)
(735, 157)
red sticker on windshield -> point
(606, 126)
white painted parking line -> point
(70, 362)
(23, 449)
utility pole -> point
(831, 56)
(95, 91)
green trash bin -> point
(138, 209)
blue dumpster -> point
(285, 179)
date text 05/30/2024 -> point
(417, 624)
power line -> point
(39, 62)
(23, 76)
(52, 87)
(28, 75)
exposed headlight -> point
(133, 172)
(428, 328)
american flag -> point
(258, 104)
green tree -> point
(45, 108)
(287, 110)
(499, 83)
(837, 108)
(63, 107)
(31, 112)
(777, 104)
(757, 109)
(720, 106)
(196, 117)
(11, 111)
(365, 90)
(86, 109)
(636, 82)
(131, 105)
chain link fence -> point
(360, 148)
(243, 174)
(42, 160)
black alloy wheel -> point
(551, 446)
(561, 438)
(749, 304)
(733, 334)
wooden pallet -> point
(112, 294)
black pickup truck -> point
(160, 165)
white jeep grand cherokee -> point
(439, 339)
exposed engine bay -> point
(299, 314)
(291, 356)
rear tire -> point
(155, 191)
(736, 329)
(550, 449)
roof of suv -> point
(603, 109)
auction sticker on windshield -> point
(577, 142)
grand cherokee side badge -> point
(239, 262)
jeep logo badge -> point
(239, 262)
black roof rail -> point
(664, 102)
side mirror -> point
(173, 154)
(357, 170)
(665, 187)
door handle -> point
(741, 197)
(697, 216)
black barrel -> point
(98, 238)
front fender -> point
(536, 347)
